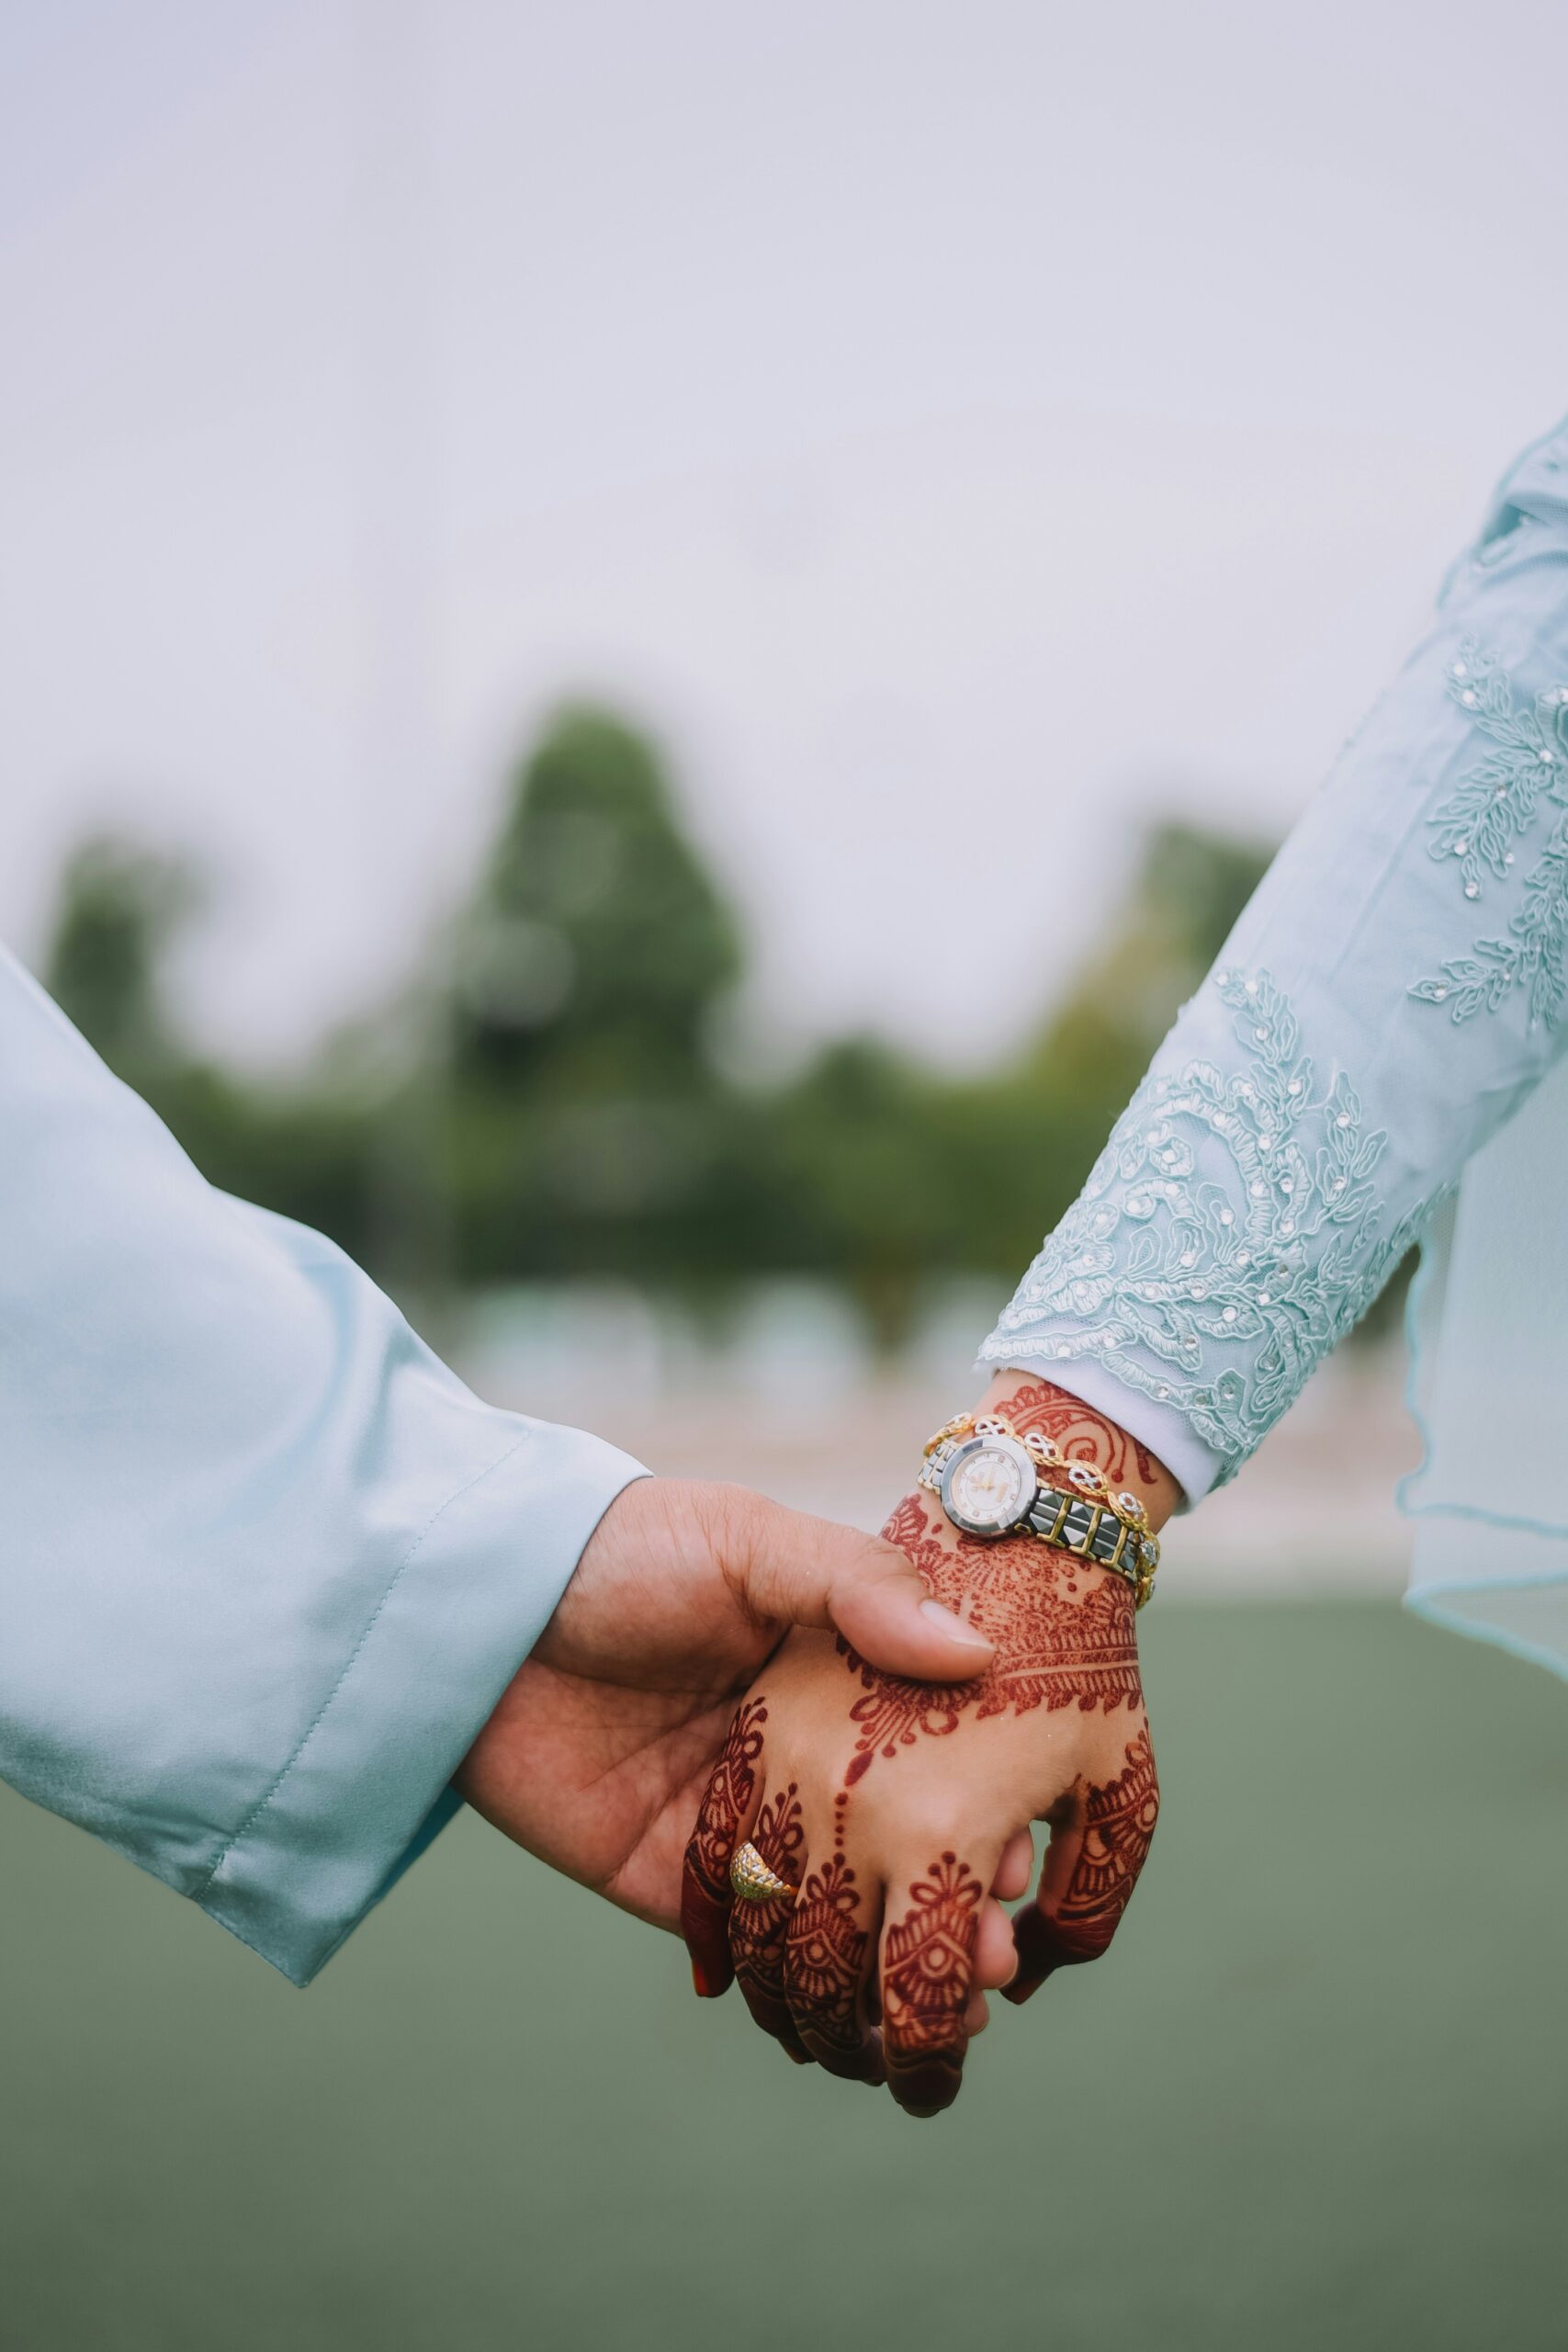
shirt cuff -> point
(368, 1786)
(1165, 1434)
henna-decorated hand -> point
(604, 1739)
(899, 1809)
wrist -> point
(1034, 1405)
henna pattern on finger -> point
(757, 1930)
(704, 1880)
(928, 1956)
(726, 1801)
(928, 1968)
(1062, 1638)
(1083, 1434)
(1118, 1825)
(824, 1957)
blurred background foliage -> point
(546, 1095)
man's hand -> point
(601, 1748)
(899, 1810)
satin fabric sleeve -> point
(1389, 998)
(266, 1565)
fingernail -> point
(702, 1984)
(953, 1627)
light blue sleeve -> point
(266, 1565)
(1390, 997)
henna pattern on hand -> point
(726, 1801)
(1117, 1824)
(757, 1930)
(927, 1968)
(705, 1881)
(1063, 1638)
(1083, 1434)
(825, 1960)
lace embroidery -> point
(1532, 956)
(1493, 806)
(1273, 1246)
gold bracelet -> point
(1073, 1506)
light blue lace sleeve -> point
(1391, 994)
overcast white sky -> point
(960, 430)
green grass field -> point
(1317, 2096)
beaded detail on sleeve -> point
(1490, 808)
(1229, 1234)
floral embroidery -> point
(1533, 957)
(1493, 806)
(1177, 1250)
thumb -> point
(803, 1571)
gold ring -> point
(752, 1879)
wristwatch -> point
(991, 1483)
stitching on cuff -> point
(201, 1891)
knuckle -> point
(946, 1824)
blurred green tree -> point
(845, 1179)
(298, 1148)
(543, 1100)
(1017, 1142)
(596, 943)
(1187, 891)
(119, 908)
(589, 1130)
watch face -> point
(987, 1487)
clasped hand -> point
(909, 1707)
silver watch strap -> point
(1095, 1533)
